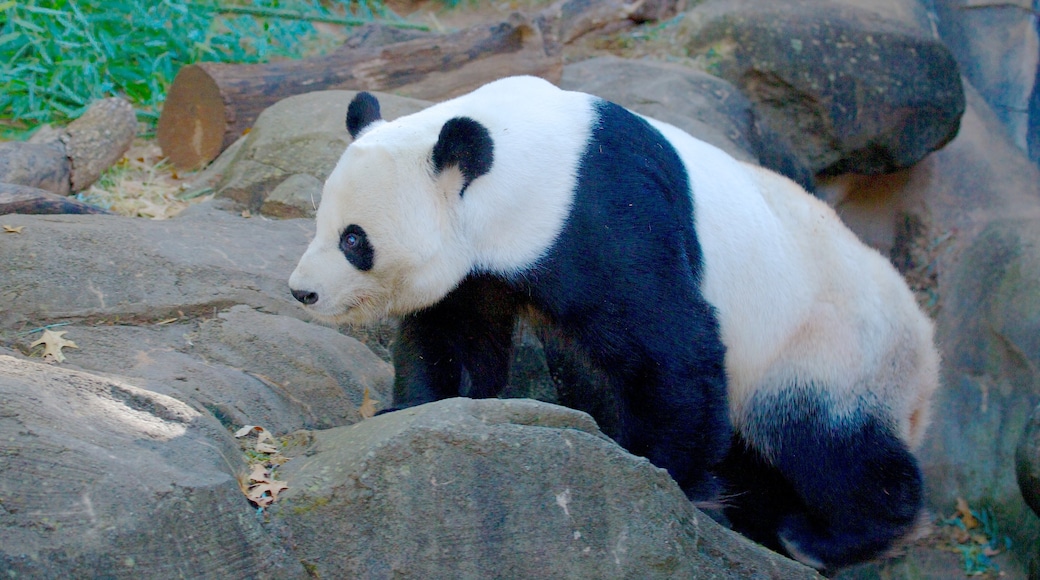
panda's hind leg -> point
(853, 486)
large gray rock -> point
(103, 478)
(499, 489)
(321, 373)
(40, 165)
(854, 92)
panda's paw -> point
(796, 536)
(832, 546)
(705, 491)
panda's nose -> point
(305, 296)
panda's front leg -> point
(460, 346)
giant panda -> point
(755, 348)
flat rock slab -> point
(120, 268)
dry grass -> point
(143, 184)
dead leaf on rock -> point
(52, 343)
(264, 440)
(368, 406)
(263, 489)
(964, 513)
(259, 473)
(264, 494)
(13, 229)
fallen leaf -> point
(264, 494)
(247, 214)
(960, 536)
(52, 343)
(13, 229)
(964, 513)
(259, 473)
(262, 438)
(368, 406)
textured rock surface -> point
(104, 478)
(998, 48)
(853, 91)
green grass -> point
(58, 56)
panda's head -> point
(388, 239)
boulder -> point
(498, 489)
(104, 478)
(321, 374)
(853, 91)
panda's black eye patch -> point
(355, 246)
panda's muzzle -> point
(305, 296)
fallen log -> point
(98, 139)
(71, 158)
(30, 200)
(210, 105)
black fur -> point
(362, 112)
(354, 244)
(839, 489)
(466, 144)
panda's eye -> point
(356, 248)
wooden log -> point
(210, 105)
(30, 200)
(98, 139)
(74, 157)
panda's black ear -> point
(466, 144)
(362, 112)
